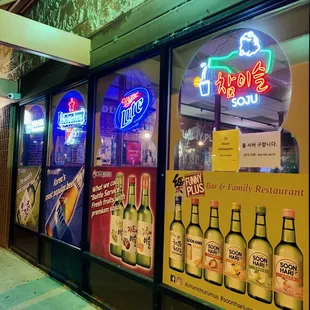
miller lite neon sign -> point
(132, 109)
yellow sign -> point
(225, 150)
(244, 244)
(196, 81)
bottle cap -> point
(288, 213)
(132, 180)
(178, 200)
(195, 201)
(214, 204)
(145, 181)
(235, 206)
(260, 209)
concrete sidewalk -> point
(23, 286)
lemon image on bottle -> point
(288, 267)
(235, 254)
(260, 260)
(177, 238)
(194, 242)
(213, 248)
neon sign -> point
(35, 126)
(73, 117)
(246, 100)
(132, 109)
(219, 76)
(229, 84)
(69, 119)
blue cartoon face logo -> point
(249, 44)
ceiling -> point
(8, 66)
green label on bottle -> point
(259, 269)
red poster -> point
(133, 153)
(122, 217)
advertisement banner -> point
(242, 243)
(63, 204)
(122, 217)
(28, 197)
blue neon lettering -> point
(71, 118)
(128, 115)
(247, 100)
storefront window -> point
(64, 185)
(30, 160)
(240, 103)
(237, 79)
(123, 202)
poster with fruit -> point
(237, 240)
(122, 217)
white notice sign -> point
(260, 150)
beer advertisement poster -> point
(28, 197)
(241, 243)
(122, 217)
(63, 204)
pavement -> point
(22, 286)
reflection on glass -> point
(32, 137)
(239, 79)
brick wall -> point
(5, 174)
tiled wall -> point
(5, 173)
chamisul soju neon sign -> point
(73, 117)
(232, 83)
(132, 109)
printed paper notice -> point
(225, 150)
(260, 150)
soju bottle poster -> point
(28, 197)
(63, 204)
(238, 240)
(122, 217)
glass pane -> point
(239, 78)
(32, 128)
(63, 204)
(124, 175)
(68, 128)
(30, 160)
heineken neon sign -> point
(35, 126)
(73, 117)
(219, 75)
(132, 109)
